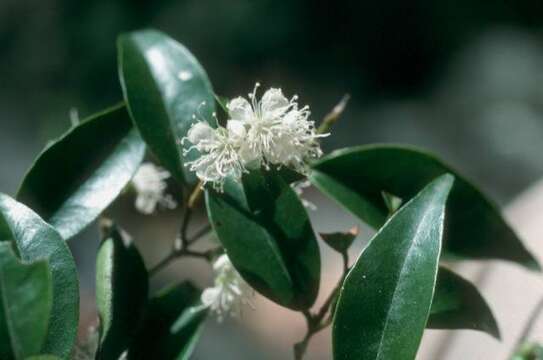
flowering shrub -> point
(250, 170)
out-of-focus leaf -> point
(268, 236)
(121, 292)
(75, 178)
(173, 325)
(385, 299)
(26, 297)
(341, 241)
(458, 304)
(356, 177)
(164, 87)
(34, 240)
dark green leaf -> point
(26, 297)
(172, 327)
(34, 240)
(267, 234)
(341, 241)
(121, 292)
(78, 176)
(356, 177)
(43, 357)
(458, 304)
(164, 87)
(385, 300)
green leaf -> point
(34, 240)
(341, 241)
(26, 297)
(43, 357)
(355, 178)
(75, 178)
(164, 87)
(458, 304)
(385, 300)
(121, 292)
(268, 236)
(173, 325)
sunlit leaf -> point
(356, 177)
(76, 177)
(386, 297)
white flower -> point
(230, 291)
(276, 131)
(298, 188)
(219, 153)
(272, 131)
(150, 185)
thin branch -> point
(174, 255)
(162, 264)
(183, 242)
(320, 321)
(529, 325)
(199, 234)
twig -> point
(183, 242)
(199, 234)
(319, 321)
(174, 255)
(334, 115)
(528, 326)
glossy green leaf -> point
(172, 327)
(76, 177)
(458, 304)
(121, 292)
(26, 297)
(341, 241)
(386, 297)
(164, 87)
(34, 240)
(268, 236)
(43, 357)
(355, 177)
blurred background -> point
(463, 78)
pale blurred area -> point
(481, 111)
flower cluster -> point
(272, 131)
(150, 185)
(230, 291)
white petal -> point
(146, 204)
(240, 109)
(273, 102)
(222, 263)
(200, 131)
(250, 158)
(210, 296)
(236, 129)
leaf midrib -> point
(394, 294)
